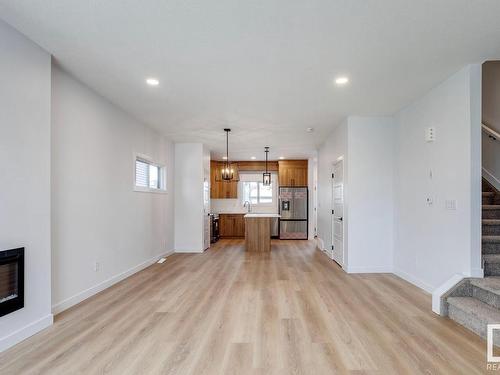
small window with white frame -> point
(254, 191)
(149, 176)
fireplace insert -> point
(11, 280)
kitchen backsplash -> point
(236, 206)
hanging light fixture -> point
(227, 170)
(266, 176)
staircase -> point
(473, 302)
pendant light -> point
(266, 176)
(227, 171)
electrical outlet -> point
(96, 266)
(430, 134)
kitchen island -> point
(258, 232)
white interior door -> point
(337, 248)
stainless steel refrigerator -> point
(294, 211)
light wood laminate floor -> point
(291, 311)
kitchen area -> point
(247, 192)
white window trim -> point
(274, 178)
(163, 175)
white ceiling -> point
(262, 67)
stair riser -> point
(486, 187)
(471, 322)
(488, 200)
(491, 248)
(491, 214)
(486, 296)
(491, 230)
(492, 269)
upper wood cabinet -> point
(257, 166)
(292, 172)
(219, 165)
(220, 189)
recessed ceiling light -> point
(224, 158)
(310, 130)
(152, 82)
(341, 80)
(282, 157)
(253, 157)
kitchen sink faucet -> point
(248, 205)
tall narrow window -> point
(149, 176)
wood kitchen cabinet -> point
(220, 189)
(231, 225)
(292, 172)
(219, 165)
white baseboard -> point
(351, 269)
(413, 280)
(320, 244)
(188, 251)
(477, 272)
(441, 290)
(23, 333)
(491, 178)
(77, 298)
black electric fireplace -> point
(11, 280)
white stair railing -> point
(491, 133)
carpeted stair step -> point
(491, 227)
(491, 264)
(491, 211)
(491, 245)
(474, 315)
(487, 290)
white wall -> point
(335, 146)
(391, 171)
(370, 194)
(491, 159)
(96, 215)
(367, 146)
(25, 177)
(432, 243)
(190, 167)
(491, 117)
(491, 94)
(206, 178)
(312, 179)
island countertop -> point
(262, 215)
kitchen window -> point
(254, 191)
(257, 193)
(149, 176)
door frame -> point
(340, 159)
